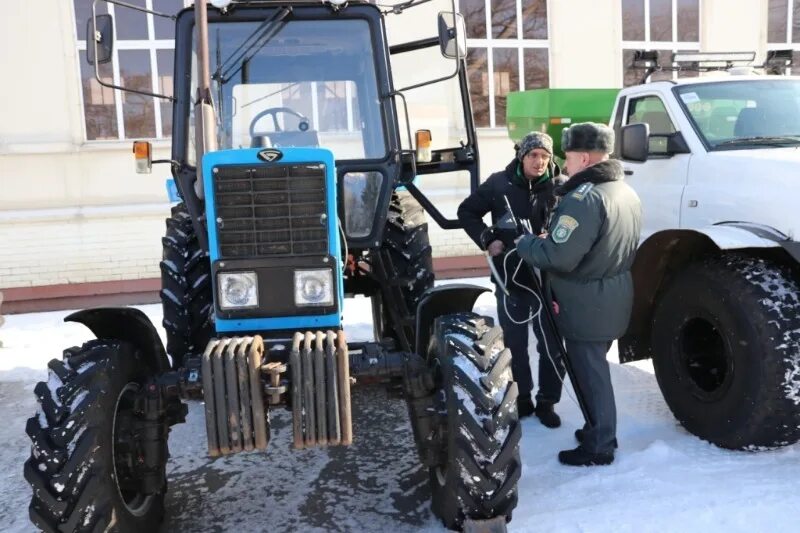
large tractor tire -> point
(185, 289)
(726, 338)
(410, 264)
(480, 464)
(82, 464)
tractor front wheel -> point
(479, 467)
(87, 464)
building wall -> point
(73, 211)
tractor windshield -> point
(745, 114)
(296, 83)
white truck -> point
(716, 162)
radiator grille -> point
(269, 211)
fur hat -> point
(588, 137)
(533, 140)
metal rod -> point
(208, 397)
(142, 9)
(255, 355)
(296, 368)
(232, 395)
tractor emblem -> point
(270, 155)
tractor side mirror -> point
(635, 142)
(99, 39)
(452, 32)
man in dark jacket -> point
(588, 254)
(527, 183)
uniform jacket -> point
(529, 201)
(589, 251)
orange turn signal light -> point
(143, 153)
(423, 140)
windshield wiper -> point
(763, 140)
(251, 46)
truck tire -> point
(185, 289)
(79, 449)
(411, 264)
(480, 464)
(725, 350)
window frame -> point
(520, 44)
(150, 45)
(673, 45)
(788, 44)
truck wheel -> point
(82, 465)
(185, 289)
(725, 338)
(409, 248)
(480, 465)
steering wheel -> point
(273, 111)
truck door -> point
(443, 108)
(661, 179)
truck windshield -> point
(303, 83)
(745, 114)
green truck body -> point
(552, 110)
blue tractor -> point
(293, 156)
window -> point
(274, 96)
(507, 51)
(745, 114)
(783, 29)
(142, 59)
(650, 110)
(664, 25)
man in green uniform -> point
(588, 255)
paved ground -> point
(374, 485)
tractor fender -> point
(439, 301)
(125, 324)
(666, 251)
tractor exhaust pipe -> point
(204, 115)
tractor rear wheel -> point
(479, 464)
(407, 253)
(185, 289)
(85, 458)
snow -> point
(663, 478)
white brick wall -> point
(80, 249)
(108, 248)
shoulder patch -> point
(564, 228)
(581, 191)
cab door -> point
(432, 94)
(660, 181)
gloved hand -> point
(489, 235)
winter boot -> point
(524, 406)
(547, 415)
(582, 457)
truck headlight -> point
(237, 289)
(313, 287)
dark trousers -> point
(593, 377)
(520, 305)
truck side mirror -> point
(452, 31)
(99, 39)
(635, 142)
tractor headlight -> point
(313, 287)
(237, 289)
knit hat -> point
(588, 137)
(533, 140)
